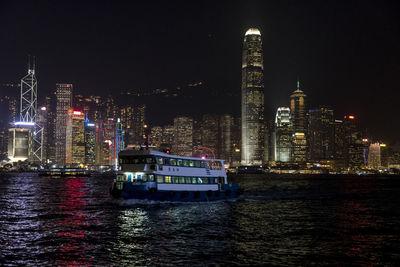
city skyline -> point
(333, 65)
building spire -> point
(298, 83)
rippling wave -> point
(280, 220)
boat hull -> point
(228, 192)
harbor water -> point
(280, 220)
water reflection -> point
(73, 229)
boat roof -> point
(131, 152)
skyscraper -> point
(321, 134)
(282, 135)
(183, 136)
(299, 121)
(75, 138)
(253, 128)
(374, 156)
(64, 102)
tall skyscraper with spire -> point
(253, 128)
(299, 122)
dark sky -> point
(346, 53)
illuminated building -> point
(374, 156)
(225, 138)
(42, 119)
(252, 99)
(236, 141)
(90, 142)
(386, 155)
(197, 134)
(167, 137)
(75, 140)
(283, 135)
(138, 124)
(209, 132)
(127, 123)
(183, 136)
(299, 122)
(49, 130)
(12, 109)
(354, 157)
(156, 133)
(109, 141)
(19, 144)
(321, 135)
(63, 104)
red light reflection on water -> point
(72, 232)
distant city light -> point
(90, 124)
(77, 113)
(383, 145)
(365, 140)
(43, 108)
(351, 117)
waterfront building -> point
(253, 125)
(138, 124)
(75, 140)
(42, 119)
(283, 135)
(321, 134)
(90, 143)
(299, 122)
(374, 156)
(20, 144)
(183, 136)
(63, 104)
(49, 135)
(354, 157)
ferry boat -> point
(72, 172)
(154, 175)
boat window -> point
(144, 177)
(202, 164)
(205, 180)
(188, 180)
(197, 164)
(172, 162)
(194, 180)
(181, 180)
(168, 179)
(160, 179)
(150, 177)
(179, 162)
(185, 163)
(175, 180)
(165, 161)
(150, 160)
(191, 163)
(159, 160)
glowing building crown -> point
(253, 31)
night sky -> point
(346, 53)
